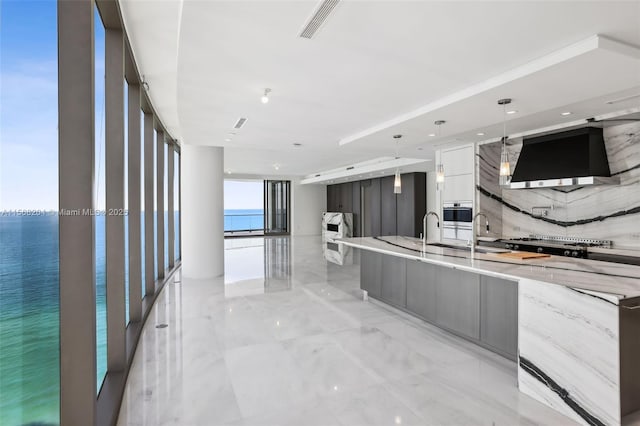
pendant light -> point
(505, 166)
(439, 166)
(397, 181)
(265, 98)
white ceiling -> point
(376, 68)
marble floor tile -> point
(381, 353)
(265, 379)
(284, 338)
(371, 407)
(327, 368)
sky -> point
(29, 112)
(243, 195)
(28, 105)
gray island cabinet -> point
(571, 325)
(480, 308)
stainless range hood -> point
(574, 158)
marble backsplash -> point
(610, 212)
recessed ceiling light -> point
(276, 166)
(227, 140)
(228, 172)
(432, 134)
(265, 98)
(297, 144)
(419, 148)
(566, 113)
(397, 136)
(480, 134)
(513, 111)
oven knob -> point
(516, 247)
(539, 249)
(508, 246)
(567, 253)
(574, 253)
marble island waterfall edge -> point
(568, 344)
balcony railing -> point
(243, 222)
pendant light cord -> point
(504, 126)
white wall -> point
(308, 202)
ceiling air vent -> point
(241, 121)
(317, 19)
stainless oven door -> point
(457, 213)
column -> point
(149, 287)
(135, 249)
(114, 179)
(202, 214)
(76, 105)
(170, 204)
(160, 205)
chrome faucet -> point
(473, 233)
(424, 225)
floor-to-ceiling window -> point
(126, 202)
(100, 201)
(176, 203)
(276, 206)
(243, 207)
(29, 291)
(166, 205)
(155, 205)
(52, 215)
(142, 207)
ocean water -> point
(243, 220)
(29, 316)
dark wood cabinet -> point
(377, 210)
(387, 207)
(355, 192)
(340, 197)
(411, 204)
(346, 197)
(370, 208)
(333, 203)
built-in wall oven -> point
(457, 220)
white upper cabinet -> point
(458, 161)
(458, 188)
(458, 165)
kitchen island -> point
(572, 325)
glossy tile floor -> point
(285, 339)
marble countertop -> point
(616, 281)
(615, 251)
